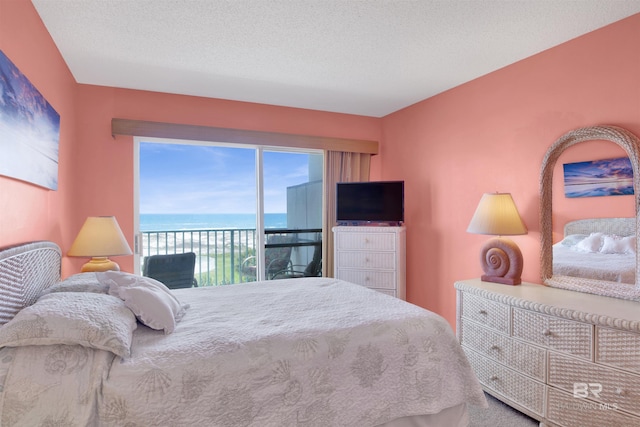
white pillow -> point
(573, 239)
(89, 319)
(632, 242)
(153, 307)
(151, 301)
(618, 245)
(593, 243)
(81, 282)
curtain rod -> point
(142, 128)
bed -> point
(598, 248)
(296, 352)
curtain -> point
(339, 167)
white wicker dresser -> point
(373, 257)
(564, 358)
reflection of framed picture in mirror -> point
(608, 177)
(29, 130)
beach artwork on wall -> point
(29, 130)
(610, 177)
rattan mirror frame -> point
(631, 144)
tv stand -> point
(374, 257)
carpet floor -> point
(498, 415)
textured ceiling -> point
(369, 57)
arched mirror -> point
(618, 227)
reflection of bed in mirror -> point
(598, 248)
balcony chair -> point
(174, 270)
(277, 259)
(313, 269)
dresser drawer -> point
(391, 292)
(567, 411)
(489, 313)
(366, 241)
(368, 260)
(608, 386)
(518, 388)
(522, 357)
(559, 334)
(369, 278)
(618, 348)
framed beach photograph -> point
(609, 177)
(29, 130)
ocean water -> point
(178, 222)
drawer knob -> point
(493, 378)
(547, 333)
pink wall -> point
(491, 135)
(487, 135)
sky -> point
(180, 178)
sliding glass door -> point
(248, 213)
(293, 239)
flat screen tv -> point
(375, 202)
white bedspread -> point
(619, 268)
(308, 352)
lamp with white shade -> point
(99, 238)
(500, 257)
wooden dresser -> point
(371, 256)
(564, 358)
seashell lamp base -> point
(501, 261)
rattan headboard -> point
(613, 226)
(26, 270)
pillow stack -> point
(94, 310)
(618, 245)
(602, 243)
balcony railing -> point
(220, 253)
